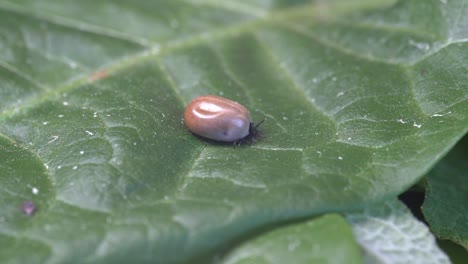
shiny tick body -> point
(218, 118)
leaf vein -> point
(293, 82)
(231, 6)
(338, 48)
(23, 76)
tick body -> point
(218, 118)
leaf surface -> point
(389, 233)
(446, 204)
(327, 239)
(361, 99)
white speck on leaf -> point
(89, 132)
(292, 246)
(46, 166)
(81, 152)
(340, 158)
(34, 190)
(45, 123)
(53, 139)
(72, 64)
(416, 125)
(439, 115)
(60, 116)
(420, 45)
(402, 121)
(65, 103)
(339, 94)
(75, 167)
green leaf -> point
(446, 204)
(457, 253)
(327, 239)
(361, 99)
(389, 233)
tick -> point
(219, 119)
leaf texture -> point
(360, 98)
